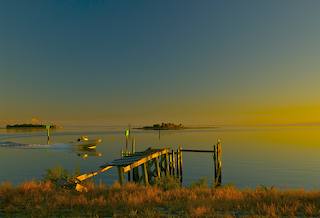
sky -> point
(142, 62)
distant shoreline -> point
(182, 128)
(30, 126)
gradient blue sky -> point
(194, 62)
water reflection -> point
(280, 156)
(84, 153)
(80, 151)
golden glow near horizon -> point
(211, 115)
(205, 63)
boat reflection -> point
(84, 153)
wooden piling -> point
(157, 167)
(219, 162)
(217, 158)
(180, 163)
(145, 174)
(170, 162)
(173, 164)
(133, 146)
(121, 175)
(129, 176)
(167, 163)
(135, 174)
(214, 164)
(48, 133)
(161, 165)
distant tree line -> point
(164, 126)
(29, 125)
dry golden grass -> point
(43, 199)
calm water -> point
(287, 157)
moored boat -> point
(85, 143)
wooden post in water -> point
(129, 176)
(214, 165)
(167, 164)
(128, 153)
(180, 163)
(135, 175)
(48, 133)
(173, 163)
(145, 174)
(126, 134)
(121, 176)
(156, 162)
(217, 158)
(133, 146)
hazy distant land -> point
(29, 126)
(172, 126)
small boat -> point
(85, 143)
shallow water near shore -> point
(285, 157)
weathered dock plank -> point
(89, 175)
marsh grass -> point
(60, 177)
(201, 183)
(44, 199)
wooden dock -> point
(149, 165)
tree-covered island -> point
(29, 125)
(163, 126)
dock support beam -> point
(48, 133)
(167, 164)
(217, 158)
(173, 163)
(156, 162)
(121, 175)
(179, 163)
(135, 175)
(145, 174)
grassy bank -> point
(43, 199)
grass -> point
(44, 199)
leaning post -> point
(214, 165)
(217, 158)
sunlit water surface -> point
(286, 157)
